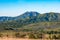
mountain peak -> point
(31, 13)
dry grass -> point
(10, 38)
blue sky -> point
(18, 7)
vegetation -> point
(31, 25)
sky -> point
(18, 7)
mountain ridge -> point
(27, 15)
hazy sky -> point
(17, 7)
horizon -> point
(29, 11)
(18, 7)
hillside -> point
(31, 21)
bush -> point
(39, 36)
(0, 35)
(54, 37)
(58, 36)
(18, 35)
(32, 36)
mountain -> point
(23, 16)
(27, 15)
(34, 16)
(4, 18)
(31, 20)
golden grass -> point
(7, 38)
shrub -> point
(54, 37)
(0, 35)
(18, 35)
(39, 36)
(32, 36)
